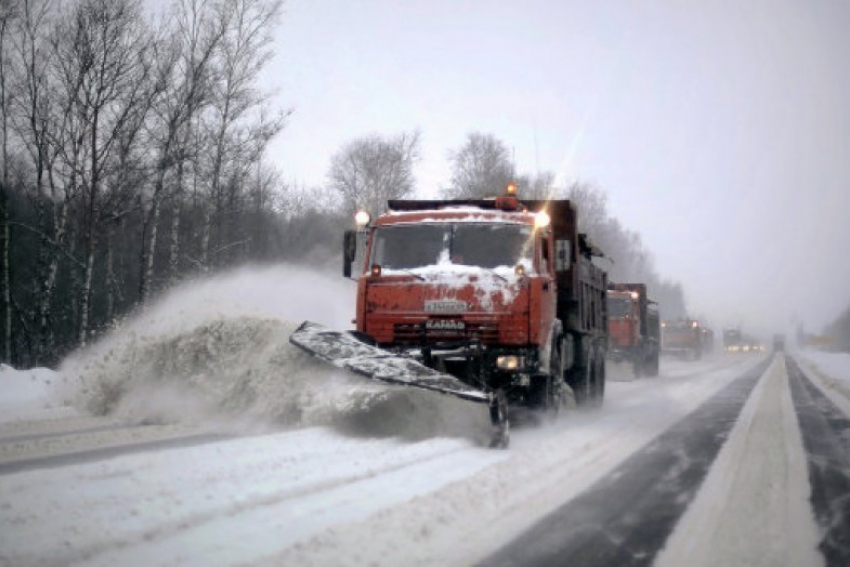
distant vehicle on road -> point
(732, 339)
(682, 337)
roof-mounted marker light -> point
(362, 218)
(511, 188)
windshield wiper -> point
(409, 273)
(492, 271)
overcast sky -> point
(719, 130)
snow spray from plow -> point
(216, 353)
(343, 350)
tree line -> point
(838, 332)
(369, 171)
(134, 156)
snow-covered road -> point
(321, 496)
(212, 441)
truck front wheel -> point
(500, 432)
(546, 393)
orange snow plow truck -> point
(496, 301)
(634, 328)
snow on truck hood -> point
(461, 214)
(494, 286)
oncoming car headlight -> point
(509, 362)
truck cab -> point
(500, 293)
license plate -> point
(445, 306)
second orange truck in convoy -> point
(495, 301)
(634, 328)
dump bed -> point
(582, 305)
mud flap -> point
(344, 351)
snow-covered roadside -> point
(463, 522)
(753, 507)
(313, 496)
(30, 394)
(830, 371)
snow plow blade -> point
(344, 351)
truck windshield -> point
(618, 307)
(485, 245)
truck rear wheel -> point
(598, 387)
(581, 381)
(638, 368)
(652, 364)
(585, 379)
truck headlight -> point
(362, 218)
(542, 219)
(509, 362)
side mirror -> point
(349, 251)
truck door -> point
(544, 291)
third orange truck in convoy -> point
(682, 337)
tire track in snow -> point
(826, 437)
(68, 433)
(100, 453)
(328, 497)
(626, 517)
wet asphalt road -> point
(625, 518)
(826, 437)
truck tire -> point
(638, 368)
(584, 378)
(652, 364)
(597, 388)
(546, 392)
(500, 426)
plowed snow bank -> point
(28, 394)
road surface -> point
(731, 460)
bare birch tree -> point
(102, 46)
(40, 120)
(8, 12)
(371, 170)
(236, 123)
(480, 168)
(185, 65)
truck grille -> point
(416, 333)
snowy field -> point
(196, 435)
